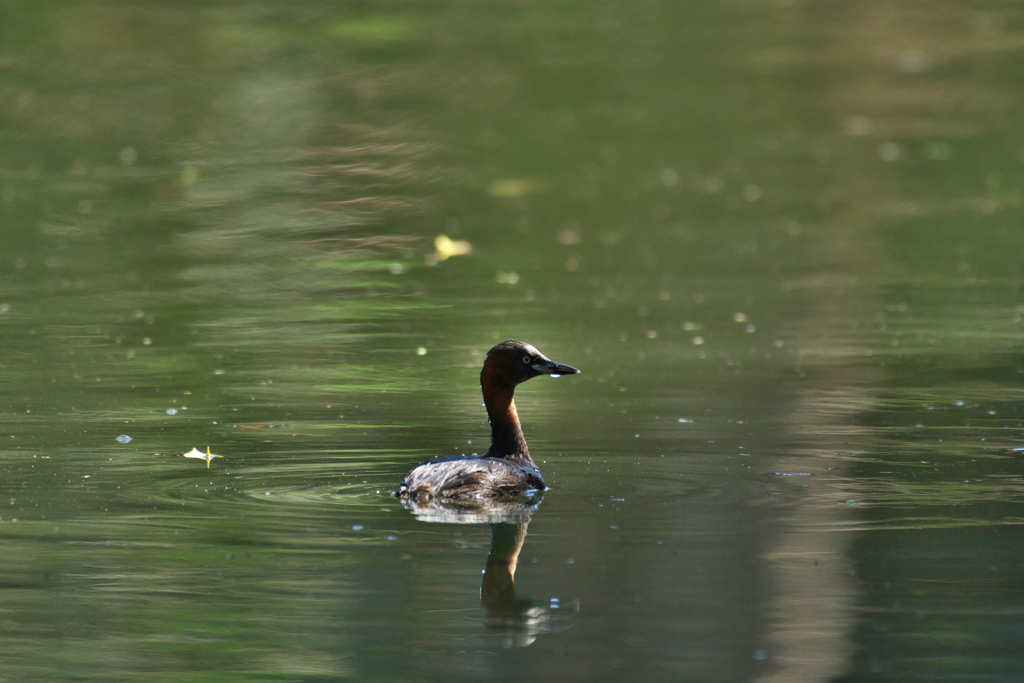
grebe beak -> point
(550, 367)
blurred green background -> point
(780, 239)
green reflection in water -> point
(779, 239)
(175, 243)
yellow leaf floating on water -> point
(446, 247)
(207, 456)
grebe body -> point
(506, 470)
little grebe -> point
(507, 469)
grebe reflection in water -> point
(518, 619)
(506, 470)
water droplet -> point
(937, 151)
(913, 62)
(357, 527)
(890, 151)
(124, 438)
(129, 156)
(171, 411)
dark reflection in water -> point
(519, 620)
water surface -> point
(780, 241)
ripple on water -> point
(283, 489)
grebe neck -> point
(507, 440)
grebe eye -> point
(527, 359)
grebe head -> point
(514, 362)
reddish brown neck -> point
(507, 440)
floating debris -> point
(510, 278)
(207, 456)
(445, 247)
(570, 237)
(513, 188)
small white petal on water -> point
(207, 456)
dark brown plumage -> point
(506, 470)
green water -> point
(781, 241)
